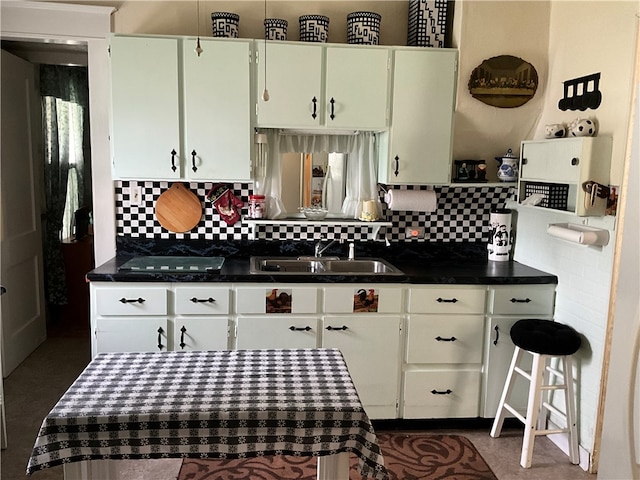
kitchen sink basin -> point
(322, 266)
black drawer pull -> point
(299, 329)
(497, 330)
(173, 160)
(444, 339)
(183, 331)
(397, 160)
(446, 392)
(333, 106)
(343, 327)
(447, 300)
(193, 161)
(520, 300)
(203, 300)
(132, 300)
(160, 332)
(315, 101)
(575, 161)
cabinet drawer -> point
(278, 299)
(447, 300)
(131, 301)
(522, 300)
(445, 339)
(276, 332)
(441, 394)
(148, 334)
(202, 300)
(362, 298)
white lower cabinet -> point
(413, 351)
(442, 368)
(370, 344)
(506, 305)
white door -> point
(357, 88)
(23, 309)
(145, 111)
(217, 120)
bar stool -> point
(544, 340)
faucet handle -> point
(352, 254)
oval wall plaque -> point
(504, 81)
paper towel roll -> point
(575, 236)
(411, 200)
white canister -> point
(500, 235)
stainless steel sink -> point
(321, 266)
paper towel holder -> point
(580, 234)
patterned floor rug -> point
(407, 457)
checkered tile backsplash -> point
(462, 215)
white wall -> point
(609, 29)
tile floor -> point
(35, 386)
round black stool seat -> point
(545, 337)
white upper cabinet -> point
(145, 107)
(313, 85)
(217, 106)
(162, 93)
(418, 146)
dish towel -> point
(411, 200)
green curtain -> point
(64, 94)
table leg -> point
(334, 467)
(90, 470)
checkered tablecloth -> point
(220, 404)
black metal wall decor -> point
(581, 93)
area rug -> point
(406, 456)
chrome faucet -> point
(319, 249)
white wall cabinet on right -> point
(548, 166)
(418, 147)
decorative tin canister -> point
(314, 28)
(428, 23)
(275, 29)
(500, 235)
(225, 24)
(363, 28)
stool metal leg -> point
(533, 409)
(570, 405)
(506, 393)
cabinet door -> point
(294, 80)
(357, 81)
(552, 160)
(370, 345)
(200, 333)
(202, 300)
(128, 300)
(130, 334)
(145, 107)
(421, 133)
(498, 354)
(276, 332)
(217, 102)
(523, 300)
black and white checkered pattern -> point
(427, 23)
(363, 28)
(314, 28)
(225, 24)
(462, 215)
(216, 404)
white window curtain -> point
(361, 177)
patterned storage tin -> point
(275, 29)
(556, 194)
(314, 28)
(429, 22)
(225, 24)
(363, 28)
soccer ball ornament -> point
(582, 127)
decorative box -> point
(275, 29)
(555, 194)
(363, 28)
(429, 23)
(225, 24)
(314, 28)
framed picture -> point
(504, 81)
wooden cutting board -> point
(178, 209)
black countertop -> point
(445, 263)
